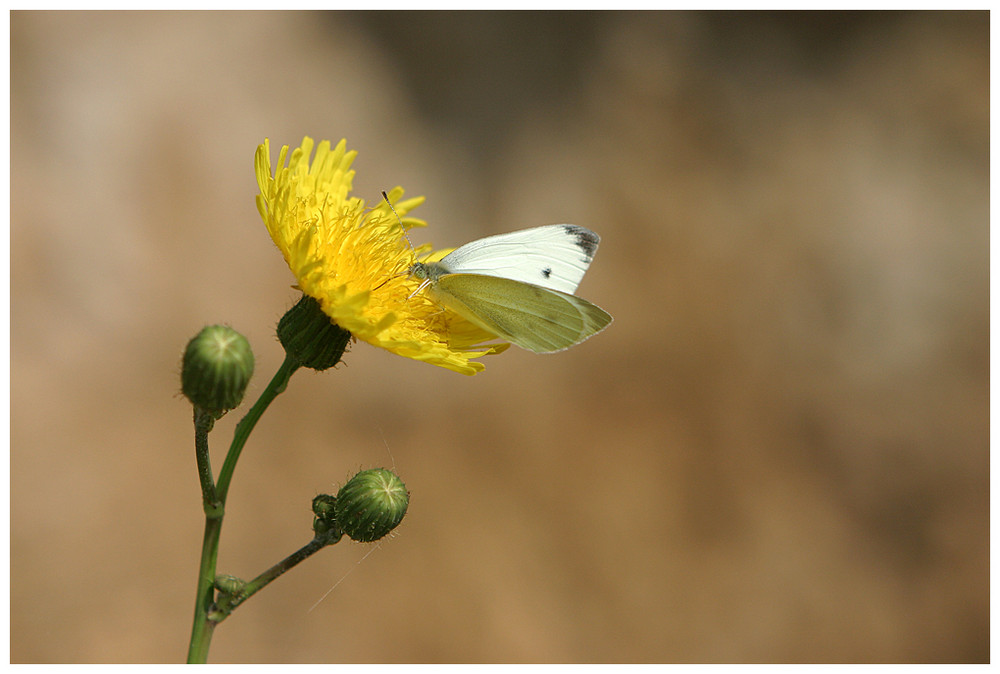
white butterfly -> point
(519, 286)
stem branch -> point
(247, 423)
(203, 422)
(258, 583)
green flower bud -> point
(325, 522)
(311, 337)
(323, 505)
(229, 584)
(230, 588)
(218, 364)
(371, 504)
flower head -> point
(353, 259)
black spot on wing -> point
(585, 240)
(547, 272)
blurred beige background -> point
(778, 452)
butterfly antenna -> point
(405, 236)
(399, 219)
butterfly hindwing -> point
(536, 318)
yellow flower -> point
(354, 259)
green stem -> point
(203, 422)
(243, 429)
(258, 583)
(201, 632)
(204, 622)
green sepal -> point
(311, 337)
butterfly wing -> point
(551, 256)
(535, 318)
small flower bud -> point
(311, 337)
(325, 522)
(218, 364)
(371, 504)
(230, 588)
(323, 505)
(229, 584)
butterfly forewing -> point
(551, 256)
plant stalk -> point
(214, 498)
